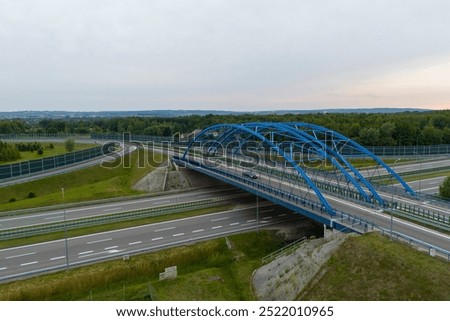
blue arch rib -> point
(362, 149)
(277, 149)
(311, 141)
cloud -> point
(189, 54)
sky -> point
(240, 55)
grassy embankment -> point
(370, 267)
(59, 149)
(92, 183)
(375, 268)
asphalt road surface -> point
(20, 261)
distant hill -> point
(175, 113)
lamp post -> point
(65, 228)
(392, 201)
(257, 213)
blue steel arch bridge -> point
(300, 166)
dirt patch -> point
(170, 178)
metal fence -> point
(396, 151)
(33, 166)
(128, 137)
(284, 251)
(42, 136)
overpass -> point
(304, 167)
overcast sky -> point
(231, 54)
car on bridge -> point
(250, 174)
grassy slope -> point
(372, 267)
(87, 184)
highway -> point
(428, 185)
(20, 261)
(111, 207)
(374, 215)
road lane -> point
(83, 249)
(114, 207)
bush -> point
(70, 145)
(31, 195)
(40, 151)
(12, 200)
(444, 189)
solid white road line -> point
(112, 209)
(161, 202)
(165, 229)
(54, 217)
(219, 219)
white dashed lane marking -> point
(99, 241)
(20, 255)
(57, 258)
(135, 243)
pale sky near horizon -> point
(245, 55)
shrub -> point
(12, 200)
(31, 195)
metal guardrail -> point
(285, 250)
(110, 218)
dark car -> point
(250, 174)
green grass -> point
(91, 183)
(206, 271)
(59, 149)
(372, 267)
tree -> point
(40, 151)
(444, 189)
(369, 136)
(69, 144)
